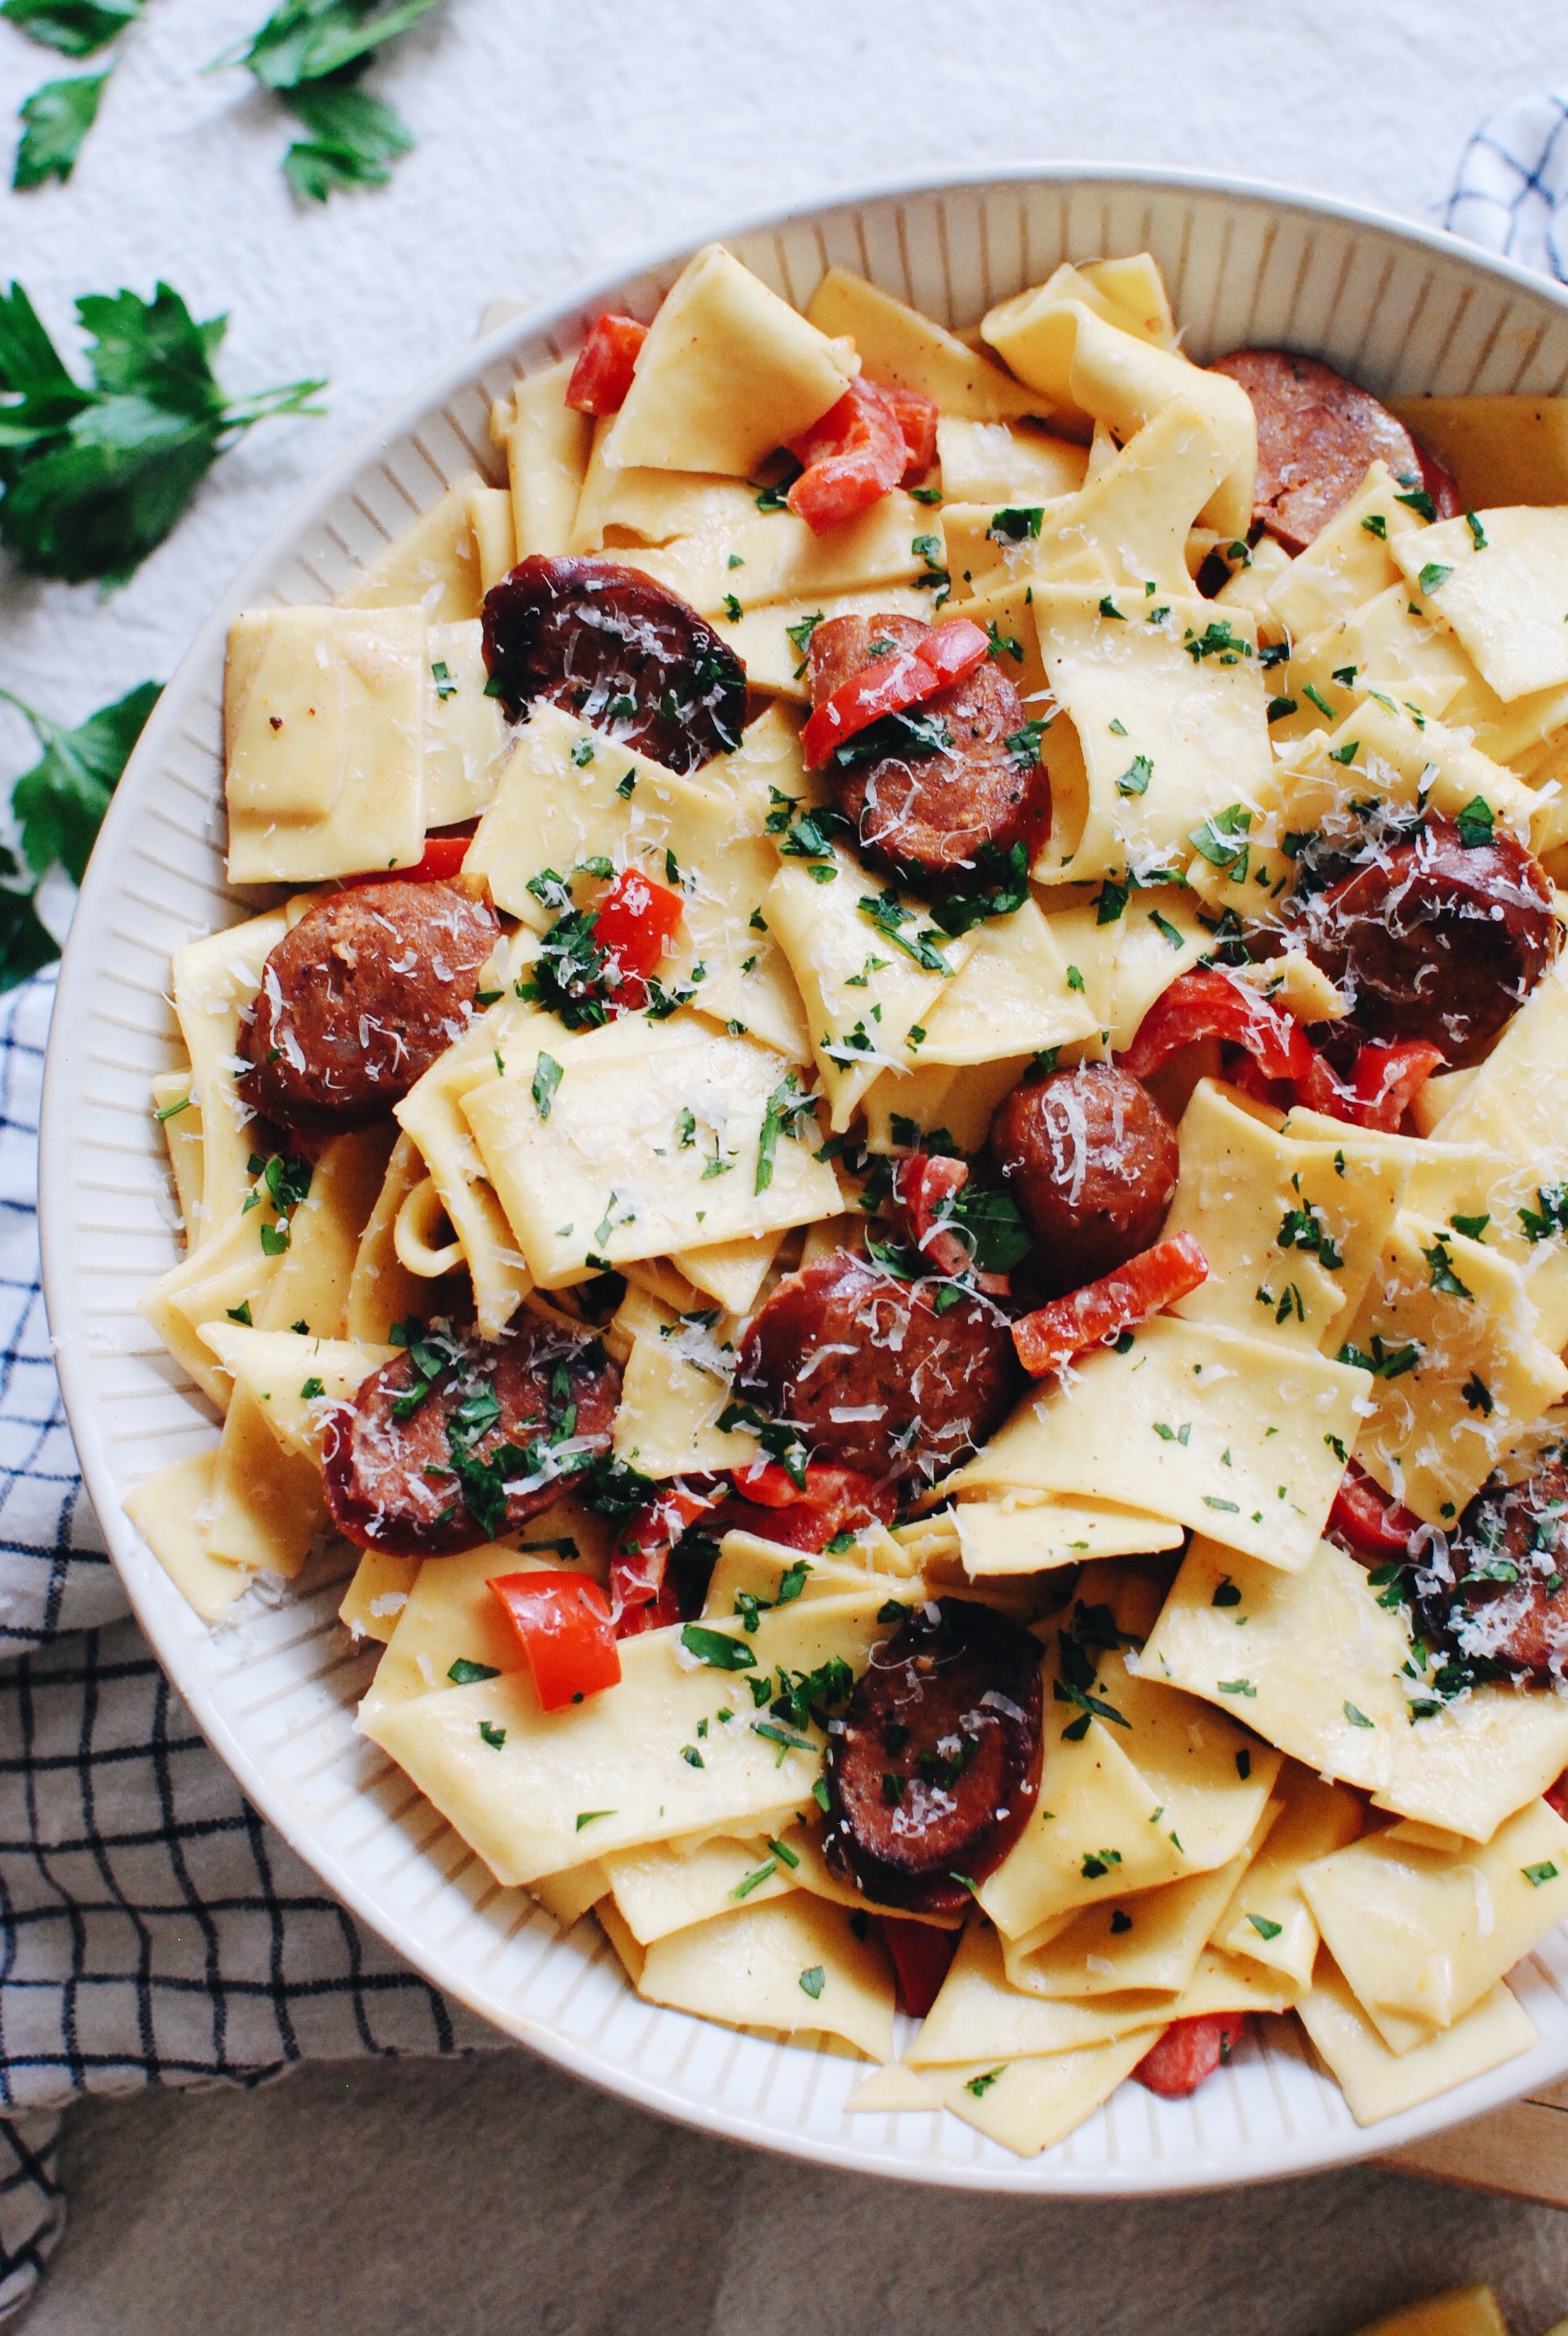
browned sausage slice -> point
(1509, 1602)
(936, 1765)
(1436, 940)
(872, 1376)
(609, 644)
(944, 815)
(449, 1445)
(1317, 435)
(358, 1000)
(1092, 1162)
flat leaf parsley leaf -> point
(54, 121)
(310, 54)
(77, 28)
(60, 803)
(95, 477)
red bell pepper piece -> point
(642, 1552)
(1188, 2051)
(922, 1956)
(1384, 1083)
(635, 921)
(923, 1183)
(602, 375)
(1368, 1521)
(772, 1487)
(769, 1503)
(854, 456)
(655, 1613)
(443, 856)
(1387, 1080)
(562, 1621)
(1556, 1796)
(916, 415)
(1207, 1004)
(1155, 1279)
(893, 683)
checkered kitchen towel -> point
(1512, 190)
(153, 1930)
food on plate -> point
(899, 1378)
(629, 657)
(450, 1444)
(945, 788)
(359, 998)
(1091, 1161)
(936, 1765)
(1318, 435)
(885, 1130)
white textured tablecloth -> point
(151, 1928)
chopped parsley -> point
(1475, 823)
(547, 1077)
(718, 1649)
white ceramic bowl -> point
(1398, 308)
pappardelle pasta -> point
(888, 1127)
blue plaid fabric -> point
(1512, 190)
(153, 1930)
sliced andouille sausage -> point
(871, 1375)
(1436, 939)
(1508, 1601)
(935, 815)
(444, 1448)
(1317, 435)
(358, 1000)
(1188, 2051)
(936, 1766)
(1092, 1162)
(611, 646)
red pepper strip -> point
(1388, 1079)
(653, 1614)
(916, 415)
(636, 921)
(922, 1956)
(637, 1566)
(772, 1487)
(443, 856)
(1372, 1527)
(562, 1620)
(854, 456)
(1384, 1083)
(1556, 1795)
(1188, 2051)
(945, 654)
(602, 375)
(1155, 1279)
(1207, 1004)
(922, 1183)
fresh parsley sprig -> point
(93, 477)
(57, 117)
(311, 53)
(60, 804)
